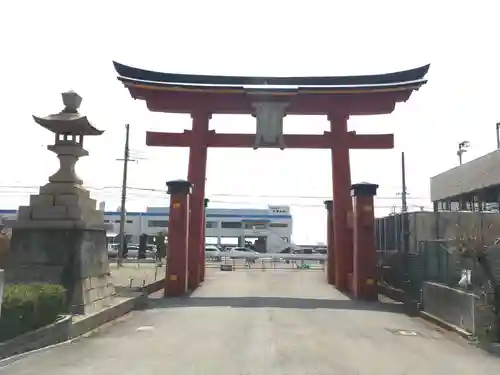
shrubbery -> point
(27, 307)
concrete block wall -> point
(74, 258)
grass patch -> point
(27, 307)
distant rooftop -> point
(472, 176)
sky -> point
(53, 46)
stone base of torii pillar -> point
(60, 237)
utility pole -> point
(404, 190)
(123, 218)
(405, 223)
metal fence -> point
(412, 249)
(442, 264)
(452, 305)
(435, 261)
(266, 263)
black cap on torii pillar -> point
(178, 187)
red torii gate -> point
(269, 99)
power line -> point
(160, 195)
(145, 191)
(163, 191)
(165, 202)
(302, 196)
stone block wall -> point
(74, 258)
(62, 205)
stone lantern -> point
(60, 237)
(63, 202)
(69, 128)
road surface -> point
(272, 322)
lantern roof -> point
(69, 120)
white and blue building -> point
(271, 228)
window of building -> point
(211, 224)
(278, 225)
(255, 225)
(279, 210)
(128, 221)
(106, 221)
(158, 223)
(230, 225)
(285, 239)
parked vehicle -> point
(212, 252)
(113, 249)
(132, 251)
(243, 252)
(320, 251)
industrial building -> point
(472, 186)
(466, 195)
(270, 230)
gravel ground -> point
(135, 274)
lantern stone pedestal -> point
(60, 237)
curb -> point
(492, 348)
(398, 295)
(445, 325)
(10, 360)
(136, 303)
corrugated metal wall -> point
(425, 226)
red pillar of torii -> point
(269, 99)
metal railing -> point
(268, 261)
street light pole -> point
(462, 148)
(498, 135)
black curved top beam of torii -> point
(413, 75)
(269, 99)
